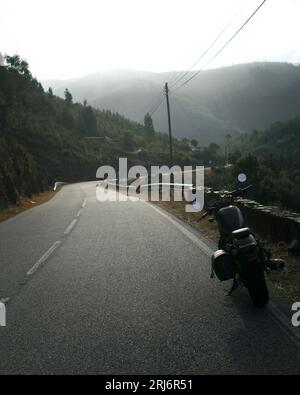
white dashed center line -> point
(71, 226)
(43, 259)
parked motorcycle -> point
(240, 257)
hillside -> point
(45, 138)
(226, 100)
(281, 138)
(271, 160)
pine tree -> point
(148, 123)
(68, 96)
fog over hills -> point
(227, 100)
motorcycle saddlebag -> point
(223, 265)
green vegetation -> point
(281, 138)
(149, 125)
(271, 159)
(44, 138)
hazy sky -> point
(72, 38)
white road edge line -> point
(71, 226)
(43, 259)
(285, 324)
(203, 247)
(273, 311)
(79, 213)
(83, 204)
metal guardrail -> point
(187, 189)
(58, 184)
(153, 185)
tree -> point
(249, 165)
(50, 92)
(213, 147)
(148, 123)
(128, 141)
(68, 97)
(16, 64)
(234, 156)
(89, 121)
(194, 143)
(1, 59)
(67, 119)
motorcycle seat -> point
(241, 233)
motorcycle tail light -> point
(246, 244)
(252, 258)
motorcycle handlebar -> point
(247, 188)
(236, 193)
(239, 192)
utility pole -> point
(169, 123)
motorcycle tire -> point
(258, 290)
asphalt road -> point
(119, 288)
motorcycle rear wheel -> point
(258, 290)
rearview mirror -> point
(242, 177)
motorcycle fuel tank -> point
(229, 219)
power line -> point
(177, 76)
(180, 105)
(157, 107)
(224, 46)
(177, 80)
(153, 108)
(154, 104)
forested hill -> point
(218, 102)
(44, 138)
(271, 160)
(281, 138)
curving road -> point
(123, 288)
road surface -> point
(122, 288)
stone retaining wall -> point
(271, 222)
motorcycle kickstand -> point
(234, 287)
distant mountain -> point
(227, 100)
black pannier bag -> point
(223, 265)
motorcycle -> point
(241, 257)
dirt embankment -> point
(26, 204)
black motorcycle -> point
(240, 257)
